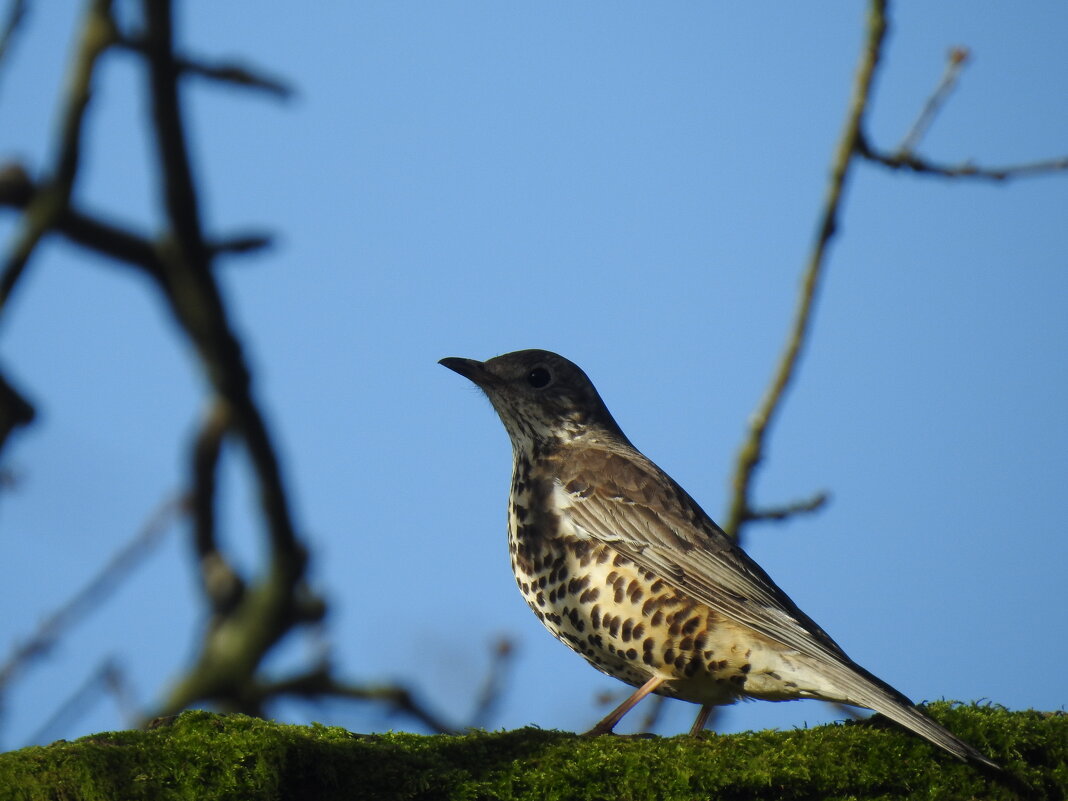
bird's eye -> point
(539, 377)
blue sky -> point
(634, 186)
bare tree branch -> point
(51, 200)
(904, 158)
(18, 191)
(752, 450)
(967, 169)
(220, 582)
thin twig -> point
(109, 678)
(752, 450)
(787, 511)
(958, 57)
(966, 170)
(99, 588)
(16, 13)
(50, 202)
(654, 710)
(227, 72)
(492, 689)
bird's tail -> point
(915, 720)
(876, 694)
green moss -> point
(207, 756)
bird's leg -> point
(702, 719)
(613, 717)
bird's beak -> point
(468, 368)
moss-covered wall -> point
(206, 756)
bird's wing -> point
(641, 512)
(617, 496)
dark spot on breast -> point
(520, 513)
(639, 630)
(577, 585)
(589, 596)
(686, 644)
(745, 668)
(691, 625)
(628, 627)
(632, 654)
(669, 654)
(657, 619)
(595, 616)
(658, 585)
(613, 627)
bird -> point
(625, 568)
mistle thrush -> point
(624, 567)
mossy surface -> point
(207, 756)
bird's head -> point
(543, 399)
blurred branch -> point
(967, 169)
(958, 57)
(220, 582)
(92, 595)
(241, 635)
(51, 199)
(492, 689)
(785, 512)
(18, 191)
(16, 13)
(109, 678)
(15, 410)
(248, 243)
(654, 710)
(904, 158)
(225, 72)
(320, 682)
(752, 451)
